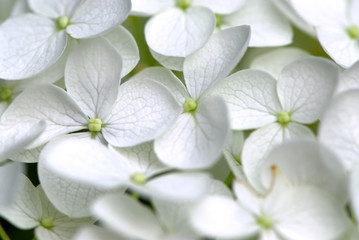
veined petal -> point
(337, 43)
(251, 97)
(149, 8)
(196, 141)
(177, 33)
(28, 155)
(10, 183)
(143, 111)
(318, 12)
(274, 61)
(167, 78)
(96, 17)
(349, 79)
(209, 65)
(247, 198)
(92, 76)
(84, 160)
(54, 9)
(218, 216)
(339, 127)
(124, 215)
(305, 87)
(169, 62)
(221, 7)
(49, 103)
(29, 44)
(301, 160)
(268, 26)
(126, 45)
(26, 210)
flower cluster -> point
(218, 131)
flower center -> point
(184, 4)
(353, 32)
(47, 222)
(265, 221)
(95, 125)
(63, 22)
(139, 178)
(284, 118)
(190, 105)
(5, 93)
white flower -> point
(135, 112)
(337, 26)
(199, 134)
(32, 209)
(349, 79)
(31, 43)
(279, 108)
(288, 212)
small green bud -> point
(190, 105)
(5, 93)
(63, 22)
(353, 32)
(265, 221)
(284, 118)
(95, 125)
(47, 222)
(139, 178)
(184, 4)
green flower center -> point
(47, 222)
(184, 4)
(5, 93)
(353, 32)
(284, 118)
(139, 178)
(95, 125)
(190, 105)
(63, 22)
(265, 221)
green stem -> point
(3, 234)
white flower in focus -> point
(349, 79)
(279, 108)
(285, 212)
(32, 209)
(31, 43)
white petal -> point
(247, 198)
(10, 180)
(96, 17)
(143, 110)
(126, 45)
(92, 76)
(301, 161)
(221, 7)
(179, 33)
(349, 79)
(251, 98)
(148, 8)
(29, 44)
(232, 151)
(205, 68)
(26, 210)
(196, 141)
(258, 145)
(353, 7)
(338, 44)
(169, 62)
(218, 216)
(95, 233)
(179, 186)
(48, 103)
(14, 138)
(274, 61)
(54, 9)
(123, 214)
(84, 160)
(28, 155)
(268, 26)
(339, 127)
(318, 12)
(309, 213)
(354, 191)
(305, 86)
(167, 78)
